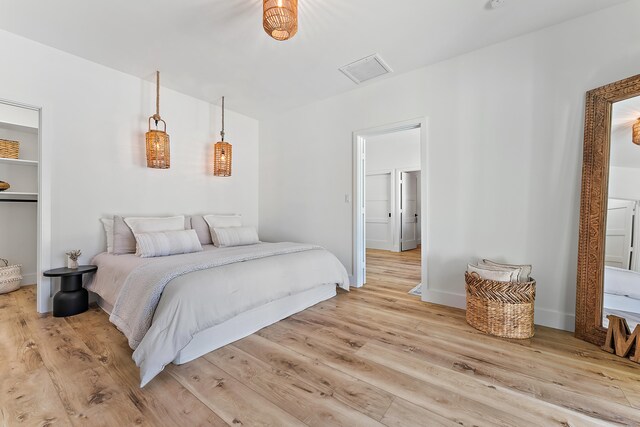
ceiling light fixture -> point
(158, 147)
(636, 132)
(222, 153)
(280, 18)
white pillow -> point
(525, 270)
(108, 230)
(234, 236)
(223, 221)
(165, 243)
(491, 274)
(153, 225)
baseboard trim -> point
(383, 246)
(543, 317)
(352, 281)
(29, 279)
(555, 319)
(450, 299)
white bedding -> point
(622, 282)
(114, 270)
(197, 300)
(252, 321)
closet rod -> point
(18, 201)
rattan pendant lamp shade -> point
(222, 152)
(157, 141)
(636, 132)
(280, 18)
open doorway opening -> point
(389, 206)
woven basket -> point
(10, 276)
(9, 149)
(502, 309)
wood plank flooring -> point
(375, 356)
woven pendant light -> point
(158, 147)
(280, 18)
(636, 132)
(222, 153)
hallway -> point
(395, 270)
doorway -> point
(25, 205)
(388, 223)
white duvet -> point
(165, 301)
(622, 282)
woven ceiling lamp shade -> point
(222, 152)
(636, 132)
(158, 147)
(280, 18)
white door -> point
(379, 230)
(408, 211)
(618, 245)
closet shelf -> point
(15, 196)
(18, 162)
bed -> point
(180, 307)
(621, 295)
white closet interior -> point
(19, 204)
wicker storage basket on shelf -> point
(502, 309)
(9, 149)
(10, 276)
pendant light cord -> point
(156, 116)
(222, 131)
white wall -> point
(624, 152)
(396, 150)
(505, 130)
(623, 183)
(94, 120)
(624, 171)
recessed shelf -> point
(18, 162)
(18, 196)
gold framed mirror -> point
(608, 265)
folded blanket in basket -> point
(499, 272)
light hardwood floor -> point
(374, 356)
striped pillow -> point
(165, 243)
(234, 236)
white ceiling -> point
(210, 48)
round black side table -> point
(72, 298)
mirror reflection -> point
(622, 246)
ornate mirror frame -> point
(593, 205)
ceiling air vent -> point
(366, 69)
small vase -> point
(73, 264)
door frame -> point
(43, 232)
(358, 278)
